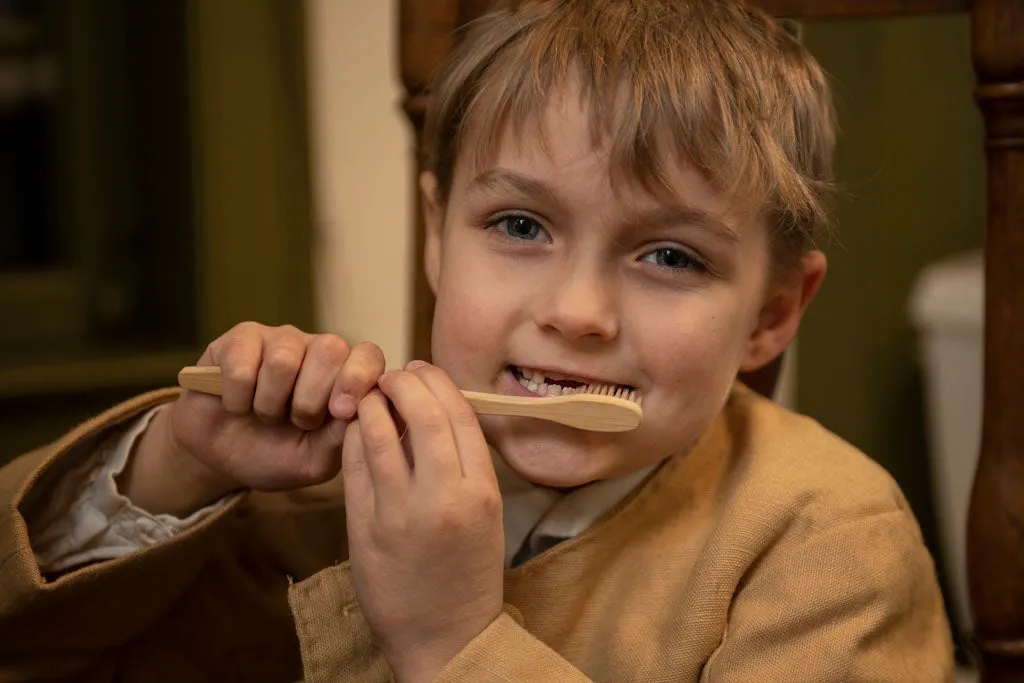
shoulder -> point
(822, 551)
(791, 468)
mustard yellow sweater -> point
(773, 551)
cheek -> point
(471, 317)
(697, 347)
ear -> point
(433, 219)
(785, 302)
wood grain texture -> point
(995, 542)
(809, 9)
(425, 38)
(840, 9)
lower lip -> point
(515, 388)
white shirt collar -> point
(539, 517)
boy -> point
(623, 192)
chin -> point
(552, 455)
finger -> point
(325, 356)
(435, 458)
(359, 503)
(382, 451)
(358, 376)
(385, 458)
(282, 358)
(238, 352)
(474, 454)
(324, 457)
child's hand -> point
(280, 423)
(425, 542)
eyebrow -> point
(662, 217)
(665, 217)
(505, 180)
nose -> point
(580, 305)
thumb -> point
(325, 451)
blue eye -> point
(518, 227)
(671, 258)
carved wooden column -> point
(996, 524)
(425, 40)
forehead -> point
(564, 147)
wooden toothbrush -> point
(595, 408)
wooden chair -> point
(995, 559)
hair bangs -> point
(709, 83)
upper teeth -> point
(537, 383)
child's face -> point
(543, 265)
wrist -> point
(422, 662)
(161, 477)
(422, 665)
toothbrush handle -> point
(207, 379)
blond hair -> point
(740, 98)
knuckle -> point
(489, 503)
(282, 360)
(463, 414)
(238, 373)
(376, 435)
(239, 388)
(432, 419)
(376, 439)
(265, 415)
(328, 348)
(358, 377)
(289, 331)
(321, 468)
(372, 352)
(449, 519)
(240, 334)
(242, 329)
(231, 347)
(305, 413)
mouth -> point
(551, 383)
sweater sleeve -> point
(506, 651)
(856, 601)
(68, 626)
(85, 519)
(337, 644)
(334, 639)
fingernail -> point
(343, 406)
(416, 365)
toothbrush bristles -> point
(612, 391)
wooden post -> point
(426, 39)
(995, 543)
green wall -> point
(910, 161)
(227, 218)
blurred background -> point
(169, 168)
